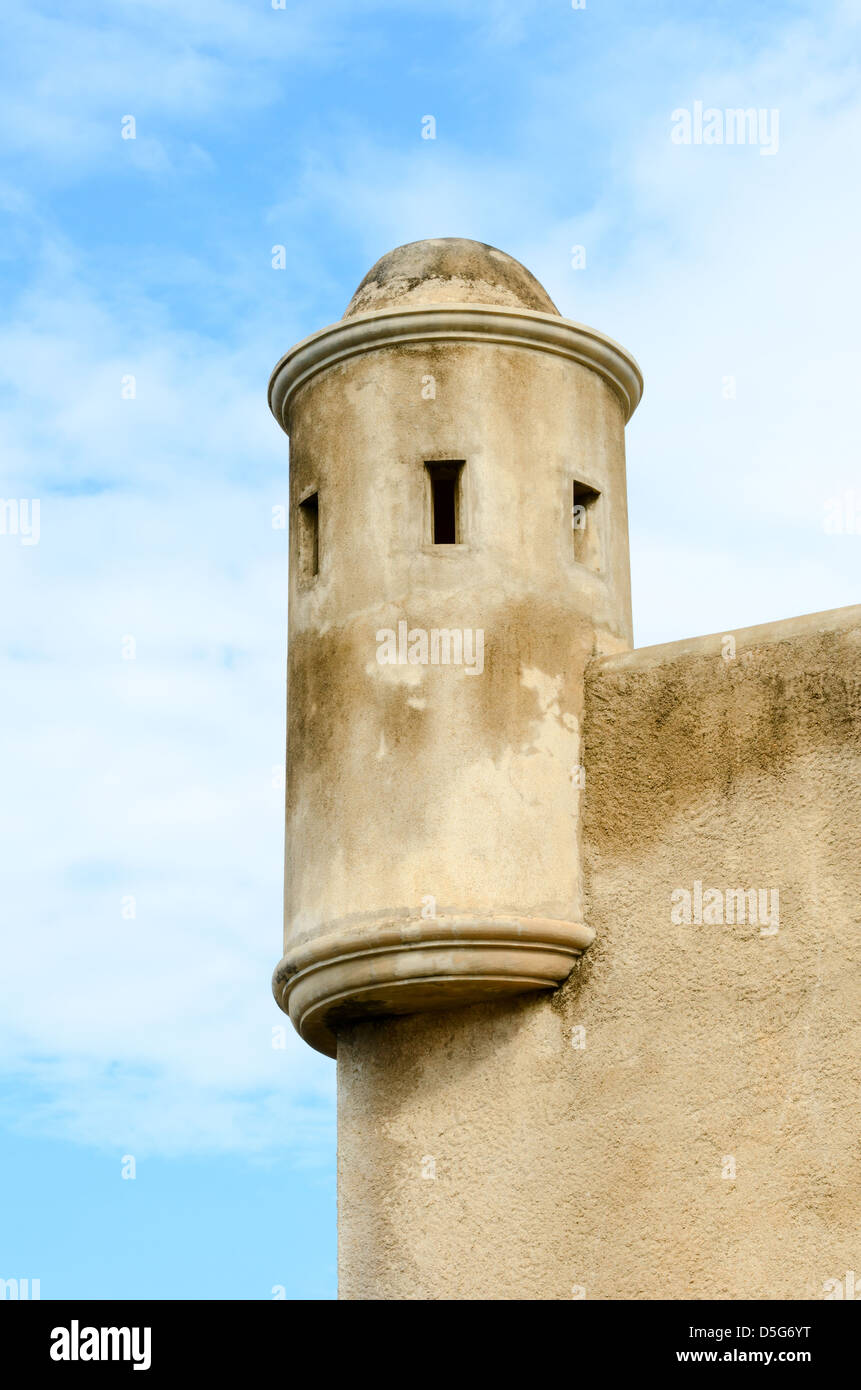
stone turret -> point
(458, 552)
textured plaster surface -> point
(482, 1156)
(447, 270)
(417, 781)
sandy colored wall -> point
(408, 780)
(482, 1156)
(433, 798)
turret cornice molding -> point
(473, 323)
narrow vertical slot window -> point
(445, 501)
(309, 537)
(584, 525)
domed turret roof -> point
(448, 270)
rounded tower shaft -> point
(458, 551)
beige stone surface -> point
(674, 1112)
(430, 816)
(481, 1156)
(445, 270)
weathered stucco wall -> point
(484, 1156)
(429, 811)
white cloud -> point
(71, 78)
(154, 778)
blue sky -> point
(149, 770)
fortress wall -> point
(483, 1156)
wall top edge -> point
(782, 630)
(529, 328)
